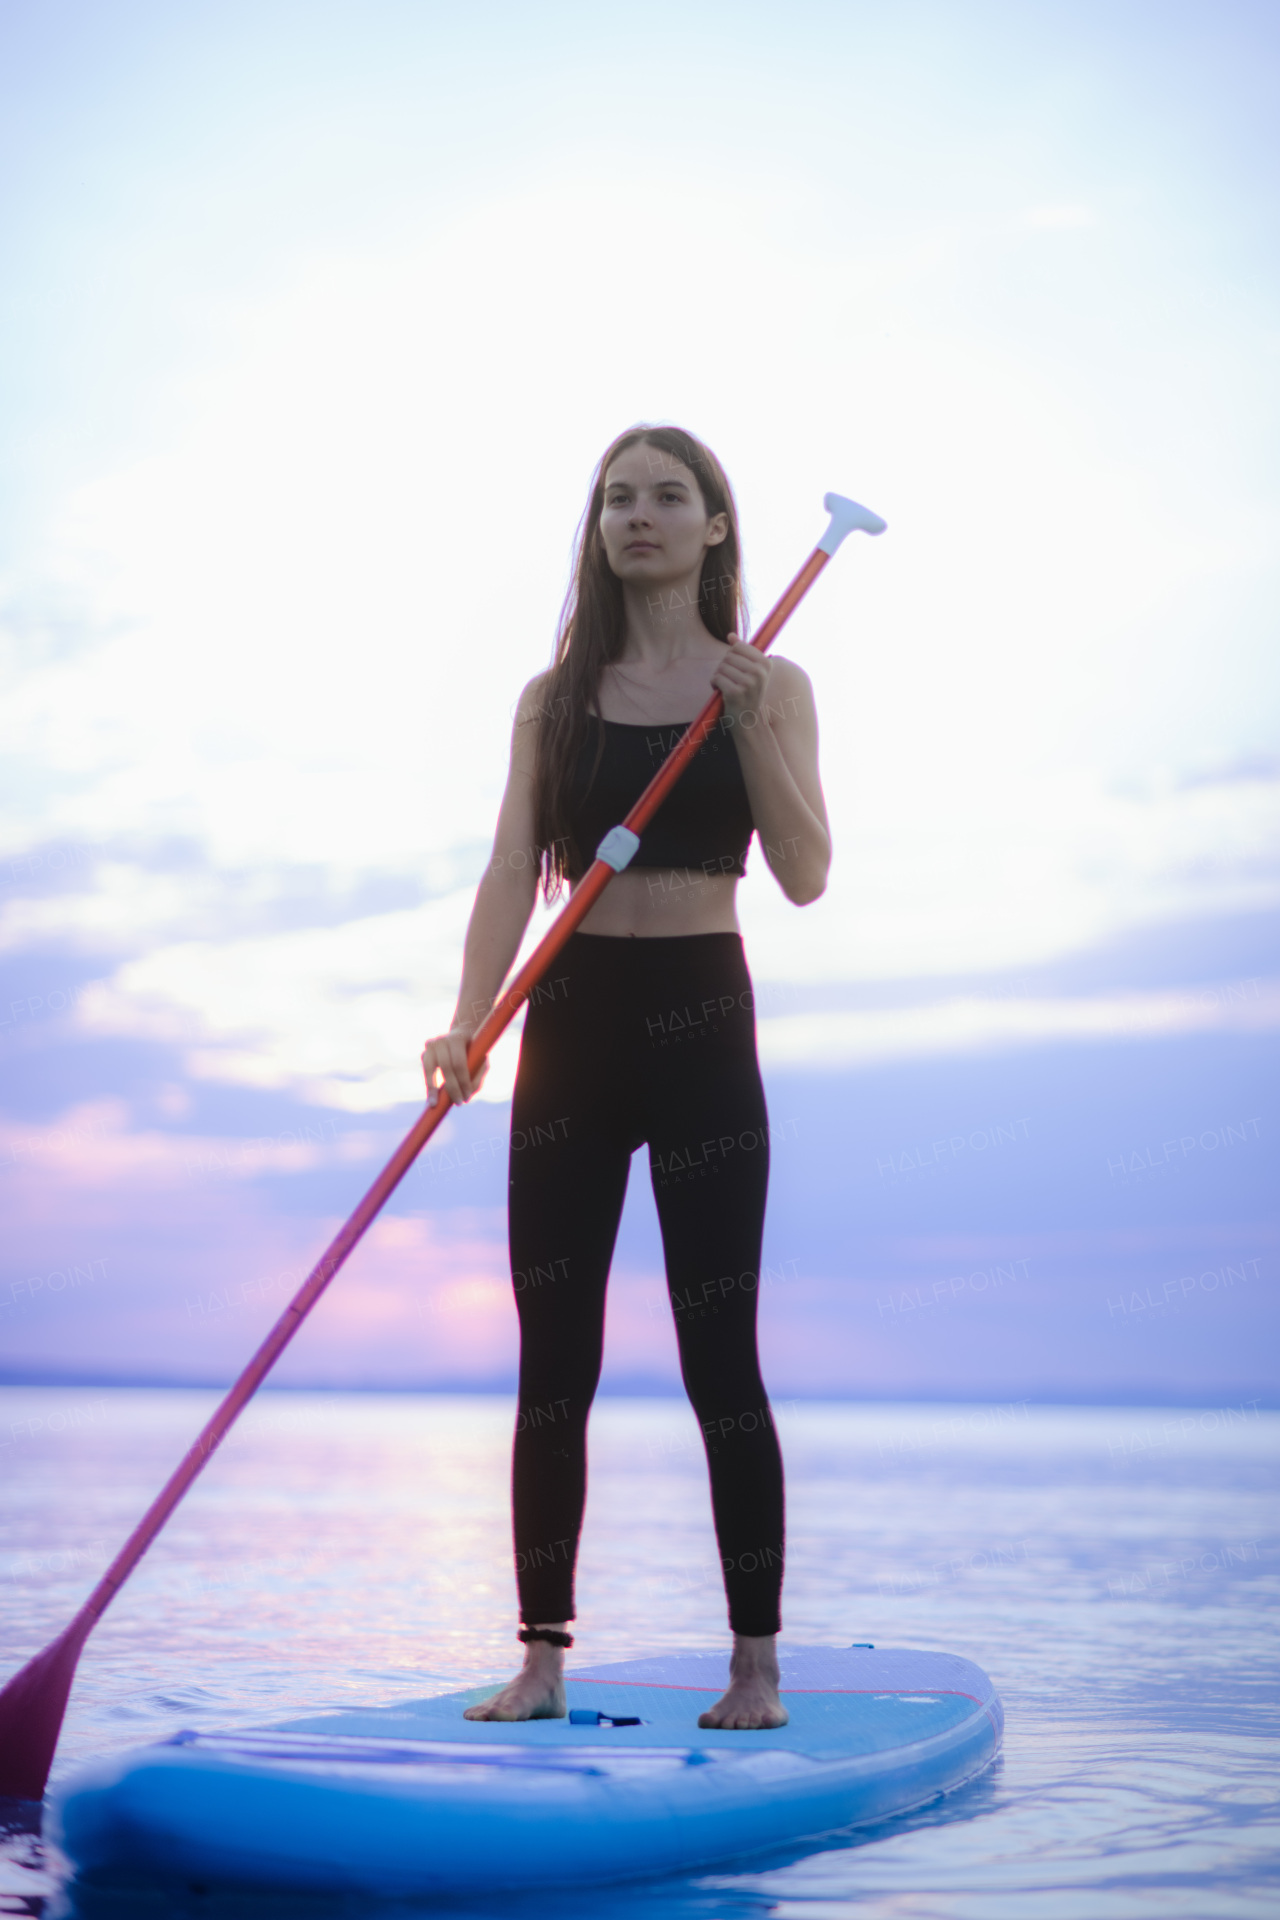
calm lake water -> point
(1114, 1570)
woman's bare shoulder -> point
(536, 699)
(790, 685)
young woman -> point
(646, 1034)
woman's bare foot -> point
(536, 1693)
(751, 1699)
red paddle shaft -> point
(33, 1703)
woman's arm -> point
(769, 704)
(504, 903)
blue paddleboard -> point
(413, 1799)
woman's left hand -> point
(742, 677)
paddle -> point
(33, 1703)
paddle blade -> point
(31, 1710)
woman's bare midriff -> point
(648, 903)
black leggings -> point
(633, 1041)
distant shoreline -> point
(1255, 1398)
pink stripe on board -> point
(676, 1686)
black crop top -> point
(705, 821)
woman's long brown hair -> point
(591, 633)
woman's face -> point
(655, 524)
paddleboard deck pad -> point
(413, 1799)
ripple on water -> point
(1113, 1569)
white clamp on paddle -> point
(618, 848)
(847, 517)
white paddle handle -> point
(847, 517)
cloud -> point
(96, 1145)
(301, 619)
(976, 1025)
(337, 1015)
(992, 878)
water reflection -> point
(1110, 1568)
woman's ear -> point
(717, 529)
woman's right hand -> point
(444, 1061)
